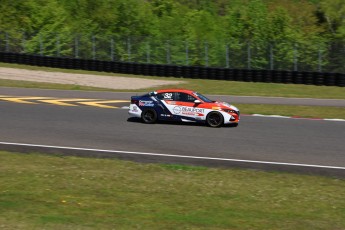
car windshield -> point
(202, 97)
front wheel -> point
(149, 116)
(214, 119)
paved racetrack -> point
(232, 99)
(259, 142)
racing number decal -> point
(168, 96)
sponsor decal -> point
(188, 111)
(166, 115)
(194, 110)
(216, 108)
(135, 109)
(146, 103)
(177, 109)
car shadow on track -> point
(138, 120)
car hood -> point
(225, 105)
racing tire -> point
(214, 119)
(149, 116)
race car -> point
(182, 105)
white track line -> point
(176, 156)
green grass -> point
(51, 192)
(266, 89)
(292, 110)
(203, 86)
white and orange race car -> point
(182, 105)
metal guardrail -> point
(194, 72)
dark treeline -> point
(269, 28)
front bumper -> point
(230, 118)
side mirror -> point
(153, 93)
(197, 102)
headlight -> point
(230, 111)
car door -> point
(166, 104)
(187, 107)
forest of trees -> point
(258, 34)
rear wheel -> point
(214, 119)
(149, 116)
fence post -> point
(206, 54)
(320, 60)
(168, 52)
(23, 42)
(148, 53)
(7, 43)
(57, 45)
(187, 53)
(271, 57)
(93, 47)
(295, 58)
(76, 47)
(129, 49)
(249, 56)
(41, 45)
(112, 49)
(227, 56)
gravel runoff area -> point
(109, 82)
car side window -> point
(185, 97)
(166, 96)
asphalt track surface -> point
(295, 145)
(126, 96)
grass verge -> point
(51, 192)
(292, 110)
(203, 86)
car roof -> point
(175, 90)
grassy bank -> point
(203, 86)
(50, 192)
(293, 110)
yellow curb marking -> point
(22, 99)
(100, 103)
(62, 101)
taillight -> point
(134, 101)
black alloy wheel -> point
(149, 116)
(214, 119)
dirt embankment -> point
(109, 82)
